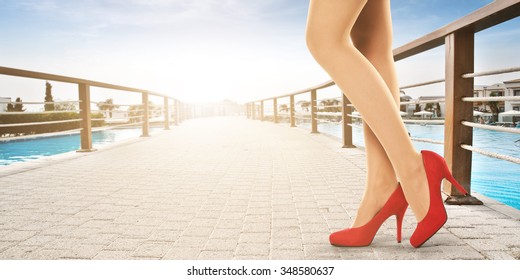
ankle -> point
(381, 185)
(412, 168)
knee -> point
(374, 50)
(323, 47)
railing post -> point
(460, 48)
(346, 111)
(262, 111)
(253, 110)
(86, 123)
(180, 113)
(175, 112)
(183, 112)
(146, 113)
(275, 110)
(247, 110)
(314, 114)
(166, 114)
(292, 111)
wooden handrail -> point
(490, 15)
(65, 79)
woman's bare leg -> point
(329, 27)
(372, 36)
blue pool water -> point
(491, 177)
(34, 148)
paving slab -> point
(220, 188)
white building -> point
(507, 88)
(3, 103)
(512, 89)
(494, 90)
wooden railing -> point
(180, 109)
(458, 38)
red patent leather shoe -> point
(363, 236)
(436, 170)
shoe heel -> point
(452, 180)
(399, 220)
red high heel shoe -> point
(363, 236)
(436, 170)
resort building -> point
(512, 89)
(506, 110)
(507, 88)
(494, 90)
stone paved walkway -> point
(221, 188)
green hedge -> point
(45, 128)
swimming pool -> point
(38, 147)
(497, 179)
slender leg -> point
(329, 29)
(372, 36)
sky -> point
(209, 50)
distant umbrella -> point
(510, 113)
(423, 113)
(481, 114)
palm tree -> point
(305, 105)
(331, 105)
(493, 106)
(48, 97)
(417, 108)
(107, 105)
(403, 98)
